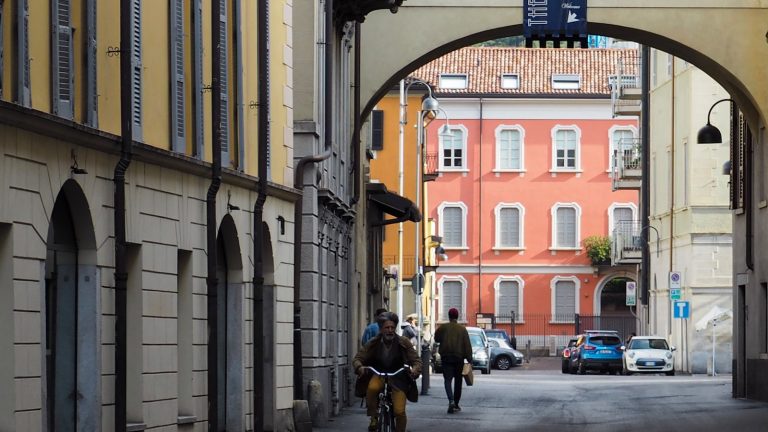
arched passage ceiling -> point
(730, 43)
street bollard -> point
(426, 357)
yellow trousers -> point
(398, 402)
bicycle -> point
(385, 411)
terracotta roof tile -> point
(534, 66)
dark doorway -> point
(613, 298)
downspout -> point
(262, 23)
(356, 119)
(212, 281)
(672, 190)
(480, 215)
(645, 192)
(121, 270)
(298, 183)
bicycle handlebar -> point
(387, 374)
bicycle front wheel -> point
(386, 421)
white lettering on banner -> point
(570, 6)
(537, 9)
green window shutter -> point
(377, 130)
(224, 68)
(197, 59)
(178, 125)
(62, 59)
(91, 89)
(23, 80)
(2, 44)
(136, 68)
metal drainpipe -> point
(212, 281)
(356, 119)
(262, 22)
(645, 192)
(480, 216)
(672, 189)
(121, 271)
(298, 183)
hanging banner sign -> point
(631, 294)
(554, 18)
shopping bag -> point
(469, 377)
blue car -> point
(597, 350)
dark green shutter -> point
(136, 68)
(377, 130)
(224, 68)
(23, 80)
(197, 59)
(91, 89)
(178, 125)
(62, 59)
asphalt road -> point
(538, 397)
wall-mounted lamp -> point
(710, 134)
(281, 224)
(230, 207)
(727, 168)
(74, 169)
(440, 253)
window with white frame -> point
(566, 224)
(509, 225)
(566, 81)
(566, 149)
(509, 297)
(452, 296)
(510, 81)
(509, 148)
(453, 81)
(452, 222)
(621, 216)
(623, 145)
(452, 149)
(565, 296)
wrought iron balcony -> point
(626, 164)
(627, 242)
(626, 88)
(430, 167)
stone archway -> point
(72, 316)
(230, 373)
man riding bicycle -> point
(388, 352)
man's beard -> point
(388, 338)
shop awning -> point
(392, 204)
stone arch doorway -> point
(229, 331)
(264, 340)
(612, 297)
(72, 316)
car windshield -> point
(495, 333)
(476, 340)
(605, 340)
(660, 344)
(501, 343)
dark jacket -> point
(454, 341)
(402, 381)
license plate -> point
(650, 363)
(605, 351)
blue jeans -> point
(452, 372)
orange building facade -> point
(523, 145)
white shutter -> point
(62, 59)
(509, 149)
(451, 298)
(622, 214)
(452, 226)
(566, 227)
(509, 227)
(509, 297)
(565, 300)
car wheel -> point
(565, 367)
(582, 368)
(670, 373)
(503, 362)
(571, 368)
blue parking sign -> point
(682, 309)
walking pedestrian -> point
(373, 328)
(455, 348)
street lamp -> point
(428, 106)
(710, 134)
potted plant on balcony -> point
(598, 249)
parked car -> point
(503, 356)
(597, 349)
(481, 352)
(566, 356)
(648, 354)
(498, 334)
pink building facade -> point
(524, 177)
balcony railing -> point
(409, 264)
(430, 166)
(627, 242)
(627, 164)
(626, 88)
